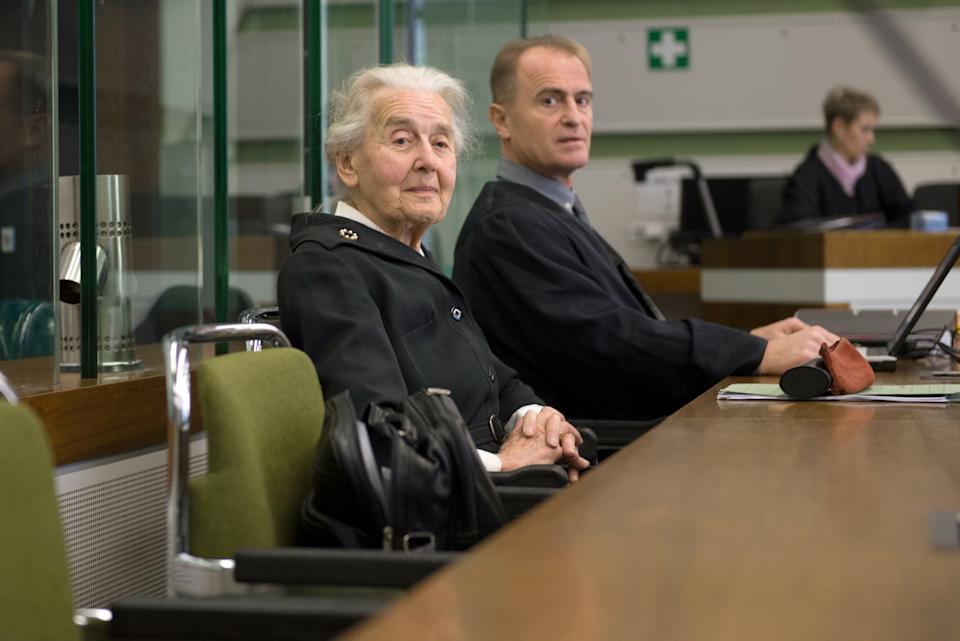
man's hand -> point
(780, 329)
(543, 438)
(793, 349)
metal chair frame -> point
(269, 315)
(189, 574)
(6, 390)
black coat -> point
(813, 192)
(555, 306)
(382, 321)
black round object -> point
(807, 380)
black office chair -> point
(765, 196)
(939, 196)
(26, 328)
(179, 306)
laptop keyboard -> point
(874, 350)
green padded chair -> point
(36, 601)
(262, 414)
(35, 597)
(260, 437)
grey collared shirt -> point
(552, 189)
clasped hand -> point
(543, 438)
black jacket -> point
(382, 321)
(813, 192)
(554, 305)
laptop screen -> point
(899, 340)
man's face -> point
(546, 125)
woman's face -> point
(854, 139)
(402, 176)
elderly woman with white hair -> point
(364, 299)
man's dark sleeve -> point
(542, 308)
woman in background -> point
(838, 177)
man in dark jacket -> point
(554, 299)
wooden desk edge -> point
(102, 420)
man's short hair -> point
(847, 104)
(504, 73)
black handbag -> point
(406, 478)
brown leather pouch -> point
(848, 368)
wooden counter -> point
(91, 418)
(764, 276)
(675, 290)
(732, 521)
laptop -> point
(913, 333)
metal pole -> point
(87, 81)
(416, 38)
(386, 32)
(315, 168)
(523, 18)
(221, 250)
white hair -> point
(351, 107)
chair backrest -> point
(765, 199)
(35, 595)
(262, 413)
(943, 196)
(181, 305)
(26, 328)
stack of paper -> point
(938, 393)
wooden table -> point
(729, 521)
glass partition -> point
(27, 191)
(461, 38)
(265, 87)
(349, 41)
(150, 130)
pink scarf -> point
(846, 174)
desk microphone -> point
(807, 380)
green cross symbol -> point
(668, 48)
